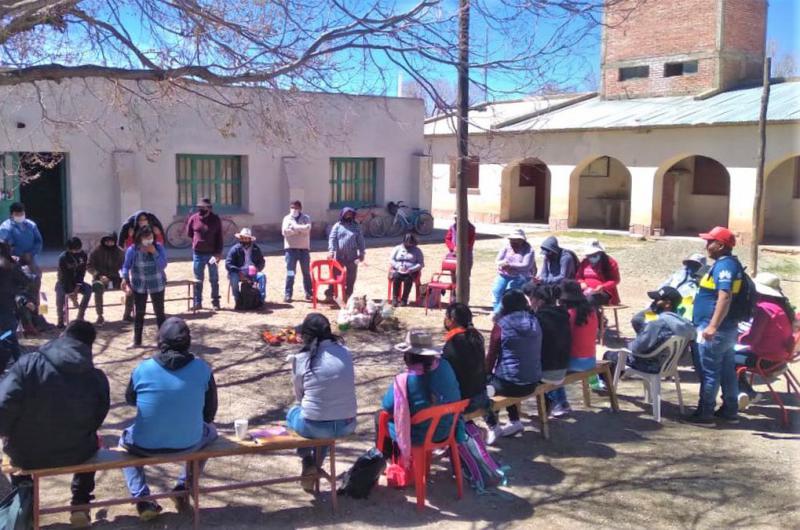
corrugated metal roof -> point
(732, 107)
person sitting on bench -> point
(105, 262)
(514, 359)
(175, 396)
(52, 402)
(324, 386)
(556, 333)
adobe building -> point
(668, 146)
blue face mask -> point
(594, 260)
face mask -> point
(294, 212)
(204, 211)
(147, 242)
(19, 218)
(247, 244)
(594, 260)
(109, 245)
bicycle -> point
(176, 232)
(399, 221)
(365, 215)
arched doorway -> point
(695, 196)
(527, 194)
(782, 203)
(604, 194)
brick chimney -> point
(679, 47)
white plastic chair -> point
(674, 347)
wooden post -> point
(758, 201)
(462, 208)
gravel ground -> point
(598, 469)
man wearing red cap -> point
(717, 328)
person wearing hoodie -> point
(71, 271)
(175, 396)
(52, 402)
(516, 265)
(140, 219)
(14, 284)
(204, 228)
(346, 245)
(556, 333)
(558, 264)
(105, 262)
(296, 231)
(514, 359)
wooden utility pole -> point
(462, 135)
(758, 201)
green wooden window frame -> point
(353, 182)
(218, 177)
(9, 181)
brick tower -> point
(678, 47)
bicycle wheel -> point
(229, 230)
(394, 226)
(424, 224)
(376, 227)
(176, 235)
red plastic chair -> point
(437, 283)
(417, 286)
(774, 372)
(327, 272)
(422, 454)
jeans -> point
(261, 280)
(317, 429)
(293, 256)
(86, 294)
(99, 288)
(715, 365)
(508, 389)
(140, 303)
(503, 284)
(576, 364)
(82, 486)
(199, 264)
(135, 476)
(9, 346)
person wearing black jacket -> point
(52, 402)
(105, 263)
(175, 396)
(241, 257)
(465, 350)
(556, 334)
(14, 285)
(71, 271)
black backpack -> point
(744, 302)
(249, 297)
(358, 481)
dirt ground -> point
(599, 469)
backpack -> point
(358, 481)
(480, 468)
(16, 509)
(744, 302)
(249, 297)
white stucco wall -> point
(781, 209)
(121, 151)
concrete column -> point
(560, 187)
(424, 188)
(643, 198)
(123, 164)
(740, 208)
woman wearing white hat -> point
(770, 335)
(516, 265)
(598, 275)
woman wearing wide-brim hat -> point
(770, 335)
(516, 265)
(598, 275)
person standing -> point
(346, 245)
(105, 262)
(52, 402)
(296, 230)
(71, 271)
(25, 240)
(717, 329)
(204, 228)
(143, 275)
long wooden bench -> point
(602, 369)
(224, 446)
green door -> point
(9, 181)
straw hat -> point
(594, 247)
(418, 342)
(244, 232)
(768, 284)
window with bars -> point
(218, 177)
(353, 182)
(9, 181)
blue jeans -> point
(261, 280)
(293, 256)
(199, 263)
(317, 429)
(61, 296)
(715, 365)
(135, 476)
(503, 284)
(559, 395)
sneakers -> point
(148, 510)
(308, 297)
(100, 321)
(215, 306)
(491, 435)
(287, 299)
(197, 307)
(697, 419)
(80, 519)
(308, 478)
(511, 429)
(720, 415)
(127, 318)
(744, 401)
(595, 383)
(559, 411)
(181, 503)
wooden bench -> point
(224, 446)
(189, 284)
(602, 369)
(603, 327)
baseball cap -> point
(667, 293)
(721, 234)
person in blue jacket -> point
(25, 240)
(559, 264)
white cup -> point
(240, 426)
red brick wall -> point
(744, 22)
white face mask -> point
(294, 211)
(19, 218)
(147, 242)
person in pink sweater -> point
(769, 337)
(598, 275)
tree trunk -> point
(462, 135)
(758, 201)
